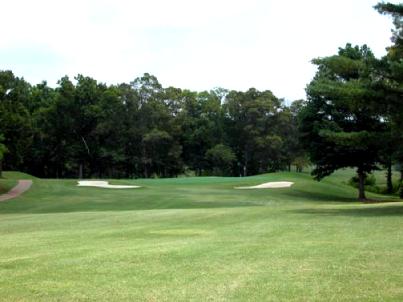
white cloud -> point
(189, 44)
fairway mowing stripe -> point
(21, 187)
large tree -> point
(220, 159)
(392, 84)
(253, 126)
(340, 123)
(42, 150)
(201, 120)
(15, 119)
(158, 109)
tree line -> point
(83, 128)
(353, 117)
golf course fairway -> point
(199, 239)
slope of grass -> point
(198, 239)
(9, 180)
(17, 175)
(6, 185)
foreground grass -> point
(199, 239)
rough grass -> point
(6, 185)
(198, 239)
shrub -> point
(369, 181)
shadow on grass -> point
(178, 199)
(45, 207)
(318, 196)
(374, 211)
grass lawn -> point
(6, 184)
(198, 239)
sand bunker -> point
(270, 185)
(103, 184)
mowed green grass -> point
(8, 181)
(6, 185)
(198, 239)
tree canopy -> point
(84, 128)
(340, 124)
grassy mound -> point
(6, 185)
(17, 175)
(10, 178)
(199, 239)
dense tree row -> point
(84, 128)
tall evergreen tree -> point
(340, 124)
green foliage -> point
(221, 159)
(15, 120)
(3, 148)
(88, 129)
(372, 186)
(396, 12)
(370, 180)
(341, 123)
(261, 131)
(301, 162)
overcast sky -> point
(198, 45)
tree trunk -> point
(1, 168)
(245, 166)
(389, 184)
(361, 188)
(401, 184)
(145, 171)
(80, 171)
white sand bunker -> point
(270, 185)
(103, 184)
